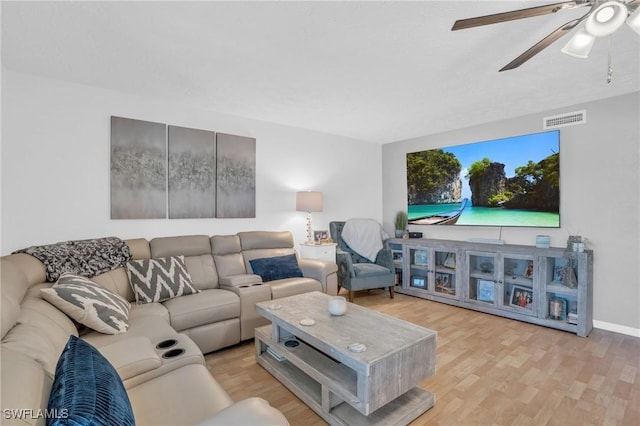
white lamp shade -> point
(633, 21)
(580, 44)
(309, 201)
(606, 19)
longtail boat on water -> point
(445, 218)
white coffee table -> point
(326, 370)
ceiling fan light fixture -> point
(634, 20)
(580, 44)
(606, 19)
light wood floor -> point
(489, 371)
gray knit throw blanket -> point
(81, 257)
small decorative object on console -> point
(486, 267)
(543, 241)
(450, 261)
(401, 223)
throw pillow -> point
(89, 304)
(87, 390)
(276, 268)
(157, 280)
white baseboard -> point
(617, 328)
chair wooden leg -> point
(350, 296)
(391, 292)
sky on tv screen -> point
(513, 152)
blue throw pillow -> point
(276, 268)
(87, 389)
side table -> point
(318, 251)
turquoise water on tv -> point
(488, 216)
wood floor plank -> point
(489, 371)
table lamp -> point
(309, 201)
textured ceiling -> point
(375, 71)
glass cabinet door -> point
(561, 289)
(419, 262)
(482, 285)
(518, 277)
(445, 274)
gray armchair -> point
(356, 272)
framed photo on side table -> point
(320, 237)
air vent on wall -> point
(566, 119)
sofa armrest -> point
(242, 280)
(249, 295)
(385, 258)
(345, 268)
(320, 270)
(251, 411)
(132, 356)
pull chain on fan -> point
(609, 68)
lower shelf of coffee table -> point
(325, 385)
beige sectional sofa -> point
(160, 356)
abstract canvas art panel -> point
(192, 173)
(236, 176)
(138, 169)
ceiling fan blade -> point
(542, 44)
(462, 24)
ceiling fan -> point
(602, 19)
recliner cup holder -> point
(166, 344)
(173, 353)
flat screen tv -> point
(513, 181)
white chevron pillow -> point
(157, 280)
(89, 303)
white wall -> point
(55, 178)
(599, 190)
(56, 159)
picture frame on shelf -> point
(521, 297)
(485, 291)
(419, 281)
(558, 308)
(420, 258)
(396, 255)
(558, 274)
(528, 272)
